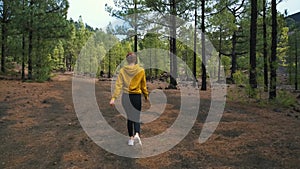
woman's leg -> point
(132, 104)
(137, 127)
(128, 108)
(136, 102)
(130, 128)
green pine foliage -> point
(38, 35)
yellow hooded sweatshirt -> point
(132, 80)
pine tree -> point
(5, 18)
(237, 9)
(265, 52)
(253, 31)
(273, 61)
(172, 9)
(41, 36)
(203, 65)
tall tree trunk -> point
(135, 27)
(195, 46)
(266, 76)
(235, 12)
(273, 62)
(30, 42)
(296, 61)
(253, 31)
(233, 56)
(23, 57)
(30, 47)
(4, 22)
(109, 63)
(173, 59)
(155, 58)
(150, 70)
(220, 54)
(3, 47)
(203, 85)
(23, 46)
(38, 59)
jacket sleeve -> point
(144, 85)
(118, 86)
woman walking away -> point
(132, 81)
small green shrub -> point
(240, 78)
(285, 99)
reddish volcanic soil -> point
(39, 129)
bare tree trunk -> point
(235, 12)
(195, 46)
(173, 59)
(220, 54)
(23, 48)
(23, 57)
(150, 70)
(109, 64)
(155, 58)
(38, 59)
(135, 27)
(273, 62)
(253, 31)
(4, 22)
(233, 55)
(203, 84)
(266, 76)
(296, 61)
(3, 47)
(30, 46)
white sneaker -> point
(137, 137)
(130, 142)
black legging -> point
(132, 104)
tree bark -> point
(273, 63)
(4, 35)
(3, 47)
(173, 59)
(253, 31)
(296, 61)
(30, 43)
(203, 84)
(266, 75)
(23, 48)
(135, 27)
(23, 57)
(235, 12)
(220, 54)
(109, 64)
(233, 55)
(30, 47)
(195, 47)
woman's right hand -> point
(112, 102)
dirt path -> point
(39, 129)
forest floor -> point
(39, 129)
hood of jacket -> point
(132, 70)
